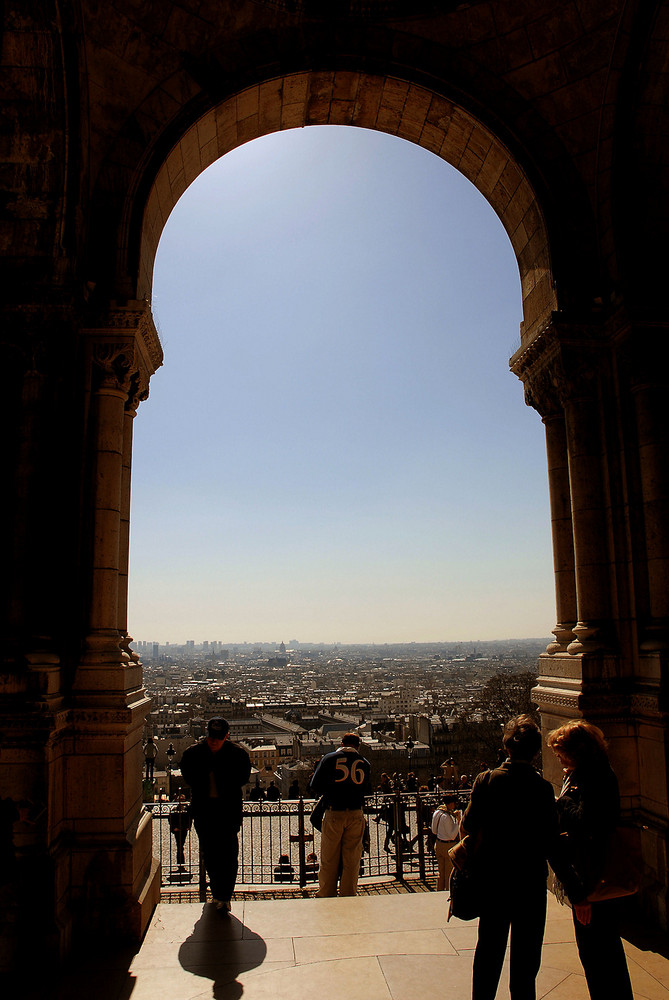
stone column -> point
(114, 879)
(124, 536)
(111, 380)
(563, 538)
(559, 679)
(560, 379)
(536, 369)
(591, 558)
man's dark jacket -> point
(231, 768)
(343, 776)
(512, 819)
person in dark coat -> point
(588, 808)
(272, 794)
(216, 770)
(512, 822)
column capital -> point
(125, 349)
(562, 363)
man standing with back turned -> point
(343, 778)
(512, 820)
(216, 770)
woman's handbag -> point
(465, 896)
(465, 902)
(621, 874)
(318, 812)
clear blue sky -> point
(335, 449)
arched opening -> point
(566, 371)
(340, 307)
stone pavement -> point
(384, 947)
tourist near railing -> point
(277, 839)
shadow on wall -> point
(220, 948)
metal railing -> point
(276, 840)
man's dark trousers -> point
(525, 914)
(219, 846)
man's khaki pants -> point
(441, 849)
(341, 840)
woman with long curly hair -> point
(588, 809)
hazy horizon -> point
(335, 642)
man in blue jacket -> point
(343, 777)
(216, 770)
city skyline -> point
(335, 445)
(318, 642)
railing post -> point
(420, 825)
(302, 860)
(399, 872)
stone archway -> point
(121, 351)
(551, 109)
(573, 375)
(383, 103)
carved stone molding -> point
(558, 697)
(564, 635)
(126, 346)
(113, 361)
(561, 364)
(589, 638)
(533, 366)
(646, 704)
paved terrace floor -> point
(376, 947)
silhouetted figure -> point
(273, 794)
(311, 867)
(449, 776)
(180, 823)
(588, 809)
(257, 794)
(385, 784)
(216, 770)
(284, 871)
(150, 754)
(512, 821)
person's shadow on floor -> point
(220, 948)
